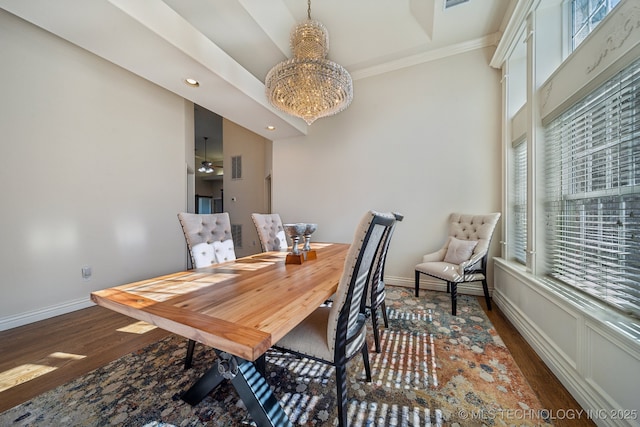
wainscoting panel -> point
(605, 352)
(591, 348)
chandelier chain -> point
(309, 9)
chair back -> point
(474, 227)
(377, 292)
(346, 327)
(208, 238)
(270, 232)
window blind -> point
(519, 204)
(592, 206)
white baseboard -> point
(21, 319)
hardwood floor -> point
(74, 344)
(552, 394)
(91, 333)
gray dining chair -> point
(209, 241)
(208, 238)
(376, 293)
(463, 258)
(270, 232)
(335, 333)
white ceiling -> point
(230, 45)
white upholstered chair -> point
(209, 241)
(463, 258)
(270, 231)
(208, 238)
(336, 333)
(376, 293)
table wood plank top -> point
(242, 307)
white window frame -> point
(594, 6)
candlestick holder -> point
(295, 232)
(306, 248)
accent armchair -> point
(463, 258)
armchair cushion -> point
(459, 251)
(449, 272)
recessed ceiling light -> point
(271, 127)
(192, 82)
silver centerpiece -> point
(308, 231)
(295, 232)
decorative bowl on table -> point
(295, 232)
(308, 231)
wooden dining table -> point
(240, 308)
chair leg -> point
(341, 394)
(365, 359)
(417, 282)
(189, 356)
(454, 296)
(384, 314)
(374, 325)
(485, 287)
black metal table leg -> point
(256, 394)
(198, 391)
(251, 386)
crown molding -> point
(433, 55)
(512, 32)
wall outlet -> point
(86, 272)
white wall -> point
(423, 140)
(92, 172)
(244, 196)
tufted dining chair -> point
(376, 294)
(270, 231)
(208, 238)
(463, 258)
(209, 241)
(333, 334)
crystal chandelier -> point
(206, 166)
(309, 85)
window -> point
(592, 205)
(585, 15)
(518, 239)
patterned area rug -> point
(434, 370)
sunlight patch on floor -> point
(140, 328)
(23, 373)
